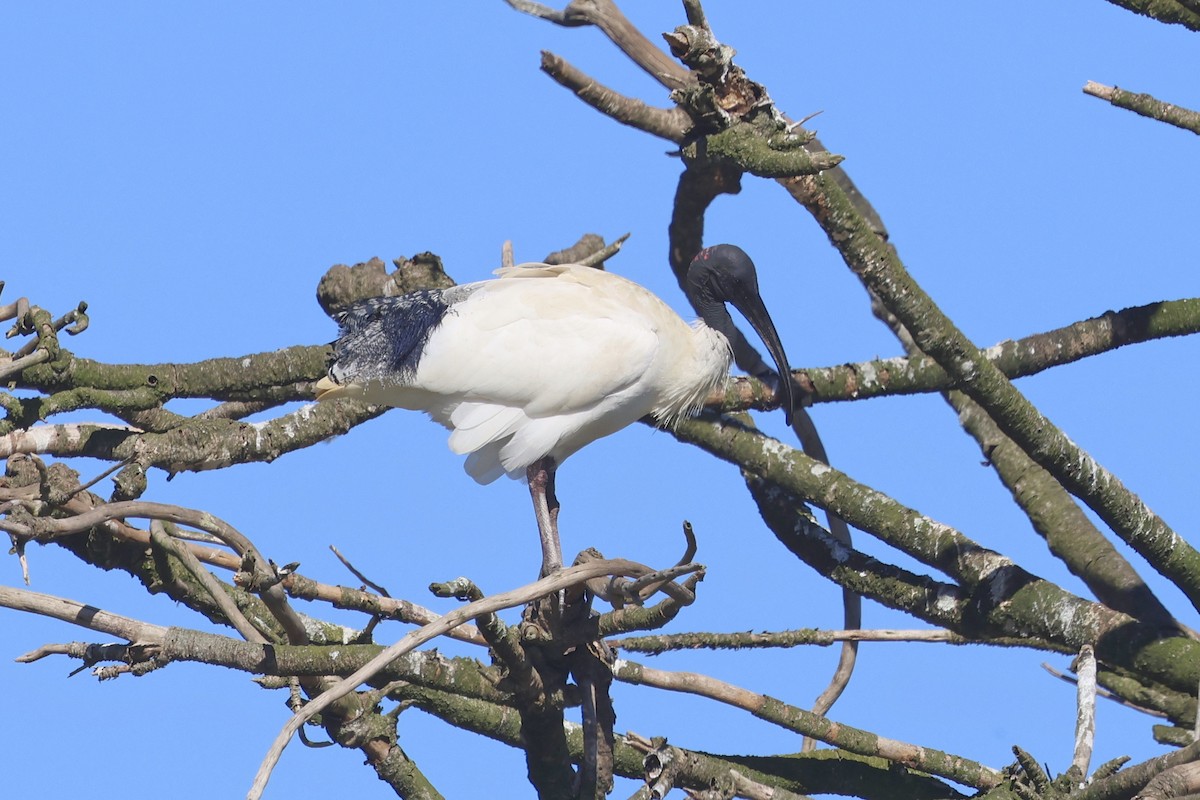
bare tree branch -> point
(160, 537)
(926, 759)
(91, 617)
(663, 643)
(605, 15)
(667, 123)
(1146, 105)
(541, 588)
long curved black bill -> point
(752, 308)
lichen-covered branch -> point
(1010, 601)
(1146, 105)
(1171, 12)
(237, 378)
(198, 444)
(1051, 510)
(956, 768)
(881, 272)
(1129, 781)
(1068, 532)
(826, 771)
(703, 640)
(1017, 358)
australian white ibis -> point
(527, 369)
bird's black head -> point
(724, 274)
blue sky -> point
(191, 170)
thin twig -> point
(671, 123)
(515, 597)
(753, 790)
(956, 768)
(354, 571)
(1106, 694)
(85, 486)
(605, 15)
(267, 582)
(18, 364)
(160, 537)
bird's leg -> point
(545, 507)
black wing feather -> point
(381, 339)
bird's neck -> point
(702, 289)
(694, 377)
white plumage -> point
(546, 359)
(527, 369)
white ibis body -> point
(528, 368)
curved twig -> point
(272, 594)
(160, 537)
(541, 588)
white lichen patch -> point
(1065, 616)
(986, 563)
(776, 449)
(997, 579)
(412, 661)
(779, 453)
(838, 551)
(946, 601)
(42, 437)
(867, 374)
(305, 412)
(288, 425)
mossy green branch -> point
(878, 267)
(939, 603)
(74, 383)
(906, 529)
(885, 377)
(826, 771)
(1003, 598)
(198, 444)
(249, 377)
(119, 403)
(1068, 532)
(793, 718)
(767, 156)
(1171, 12)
